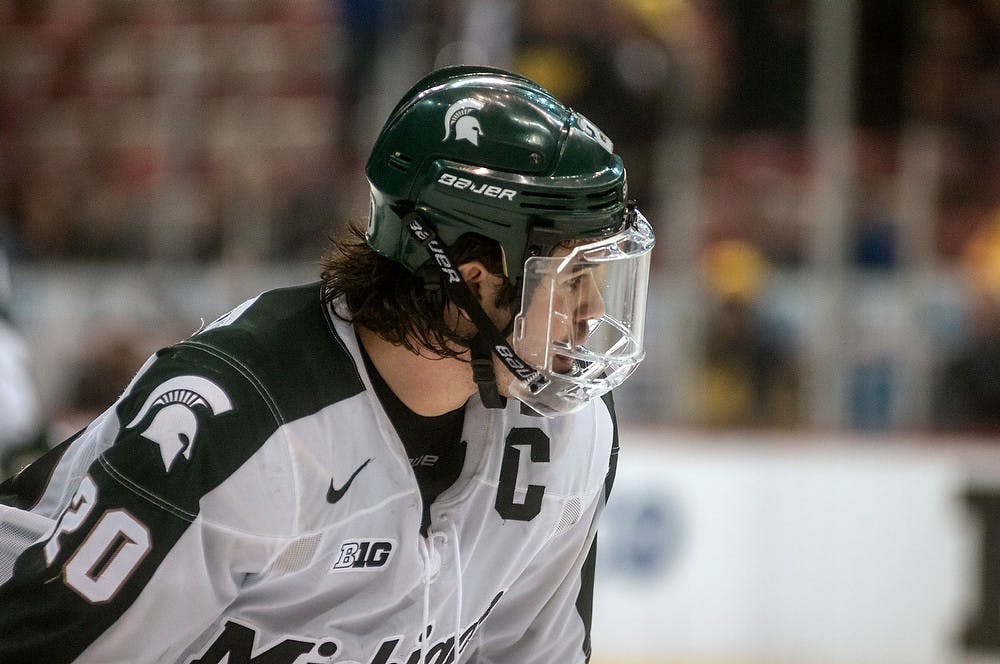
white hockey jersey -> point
(248, 501)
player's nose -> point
(590, 303)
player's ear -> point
(479, 280)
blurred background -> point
(812, 463)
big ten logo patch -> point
(363, 555)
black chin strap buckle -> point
(485, 379)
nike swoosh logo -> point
(333, 494)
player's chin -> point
(562, 364)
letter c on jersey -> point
(506, 505)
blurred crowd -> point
(234, 132)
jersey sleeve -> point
(546, 614)
(112, 557)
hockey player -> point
(403, 463)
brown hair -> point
(403, 307)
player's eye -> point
(575, 283)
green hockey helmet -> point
(482, 150)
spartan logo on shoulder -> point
(460, 121)
(174, 426)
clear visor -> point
(582, 316)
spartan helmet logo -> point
(175, 425)
(460, 119)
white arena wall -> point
(740, 549)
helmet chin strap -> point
(489, 340)
(482, 372)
